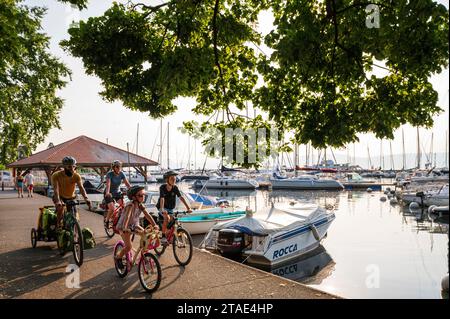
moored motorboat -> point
(225, 182)
(273, 235)
(201, 222)
(305, 182)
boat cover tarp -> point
(276, 219)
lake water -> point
(373, 249)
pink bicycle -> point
(149, 269)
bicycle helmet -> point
(169, 173)
(133, 190)
(116, 163)
(68, 160)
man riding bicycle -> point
(114, 179)
(64, 182)
(167, 201)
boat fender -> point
(383, 198)
(315, 232)
(431, 209)
(369, 190)
(414, 205)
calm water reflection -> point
(373, 249)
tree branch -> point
(151, 8)
(363, 4)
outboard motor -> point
(230, 241)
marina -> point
(224, 150)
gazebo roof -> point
(88, 153)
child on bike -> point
(129, 220)
(167, 201)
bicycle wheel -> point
(106, 225)
(77, 243)
(121, 271)
(149, 271)
(182, 247)
(33, 237)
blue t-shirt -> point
(116, 180)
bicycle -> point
(110, 228)
(182, 240)
(148, 264)
(71, 232)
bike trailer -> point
(48, 219)
(88, 238)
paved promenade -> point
(41, 272)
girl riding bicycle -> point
(129, 220)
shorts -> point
(113, 198)
(160, 214)
(30, 187)
(20, 184)
(64, 200)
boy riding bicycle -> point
(167, 201)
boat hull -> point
(305, 185)
(285, 247)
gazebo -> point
(88, 152)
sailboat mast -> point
(137, 139)
(354, 156)
(418, 149)
(168, 166)
(403, 144)
(431, 149)
(392, 156)
(160, 143)
(446, 149)
(381, 154)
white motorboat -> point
(200, 202)
(438, 197)
(227, 183)
(201, 221)
(272, 235)
(305, 182)
(135, 177)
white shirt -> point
(29, 179)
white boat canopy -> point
(277, 218)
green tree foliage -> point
(29, 80)
(318, 82)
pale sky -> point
(85, 113)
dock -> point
(41, 272)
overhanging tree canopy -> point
(29, 80)
(317, 81)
